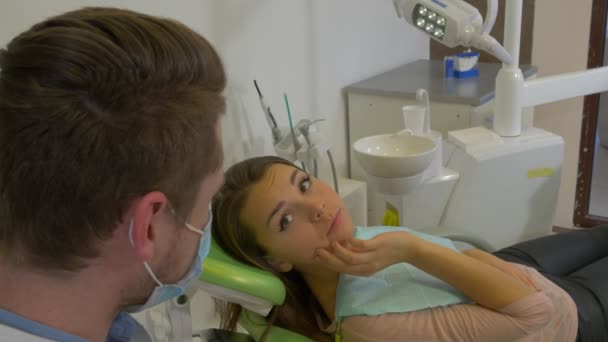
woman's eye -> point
(285, 221)
(305, 184)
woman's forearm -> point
(484, 284)
(486, 258)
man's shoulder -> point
(126, 328)
(10, 334)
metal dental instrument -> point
(276, 132)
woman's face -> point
(293, 214)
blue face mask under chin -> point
(164, 292)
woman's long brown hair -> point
(301, 310)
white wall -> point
(18, 15)
(559, 48)
(309, 49)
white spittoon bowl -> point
(394, 155)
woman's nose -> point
(318, 210)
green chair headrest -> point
(222, 270)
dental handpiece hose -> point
(276, 131)
(333, 171)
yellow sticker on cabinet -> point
(540, 173)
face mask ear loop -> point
(152, 275)
(131, 232)
(198, 231)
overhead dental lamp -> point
(453, 23)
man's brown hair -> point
(97, 107)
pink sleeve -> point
(464, 322)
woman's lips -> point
(335, 224)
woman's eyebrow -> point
(281, 204)
(293, 177)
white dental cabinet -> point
(374, 106)
(354, 195)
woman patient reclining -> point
(275, 216)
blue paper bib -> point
(398, 288)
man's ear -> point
(145, 221)
(279, 264)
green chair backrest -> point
(222, 270)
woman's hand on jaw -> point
(366, 257)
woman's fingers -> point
(338, 265)
(331, 261)
(360, 245)
(349, 257)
